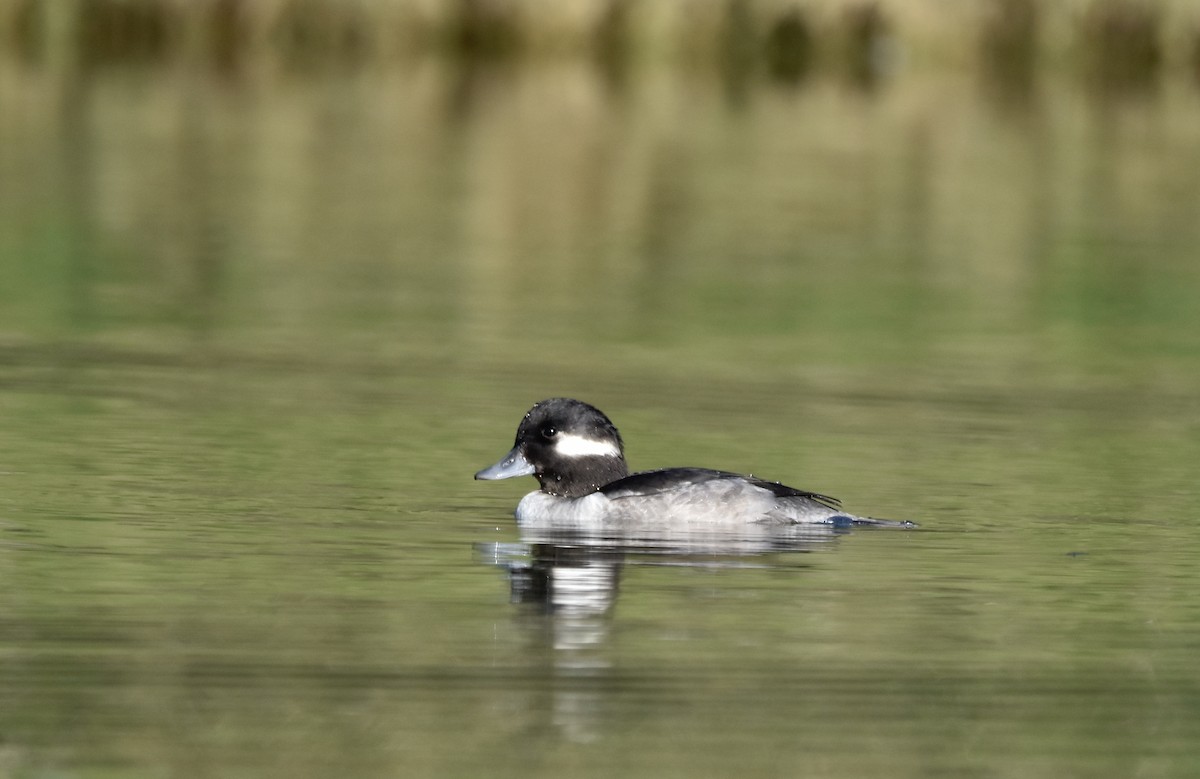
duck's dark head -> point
(570, 447)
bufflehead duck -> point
(578, 458)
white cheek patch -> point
(577, 446)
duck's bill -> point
(514, 464)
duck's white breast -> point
(538, 508)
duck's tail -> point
(872, 522)
(847, 520)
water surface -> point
(257, 334)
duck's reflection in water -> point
(573, 573)
(567, 585)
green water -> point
(256, 335)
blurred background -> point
(277, 276)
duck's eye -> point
(548, 432)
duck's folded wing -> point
(784, 491)
(657, 482)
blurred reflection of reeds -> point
(1123, 43)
